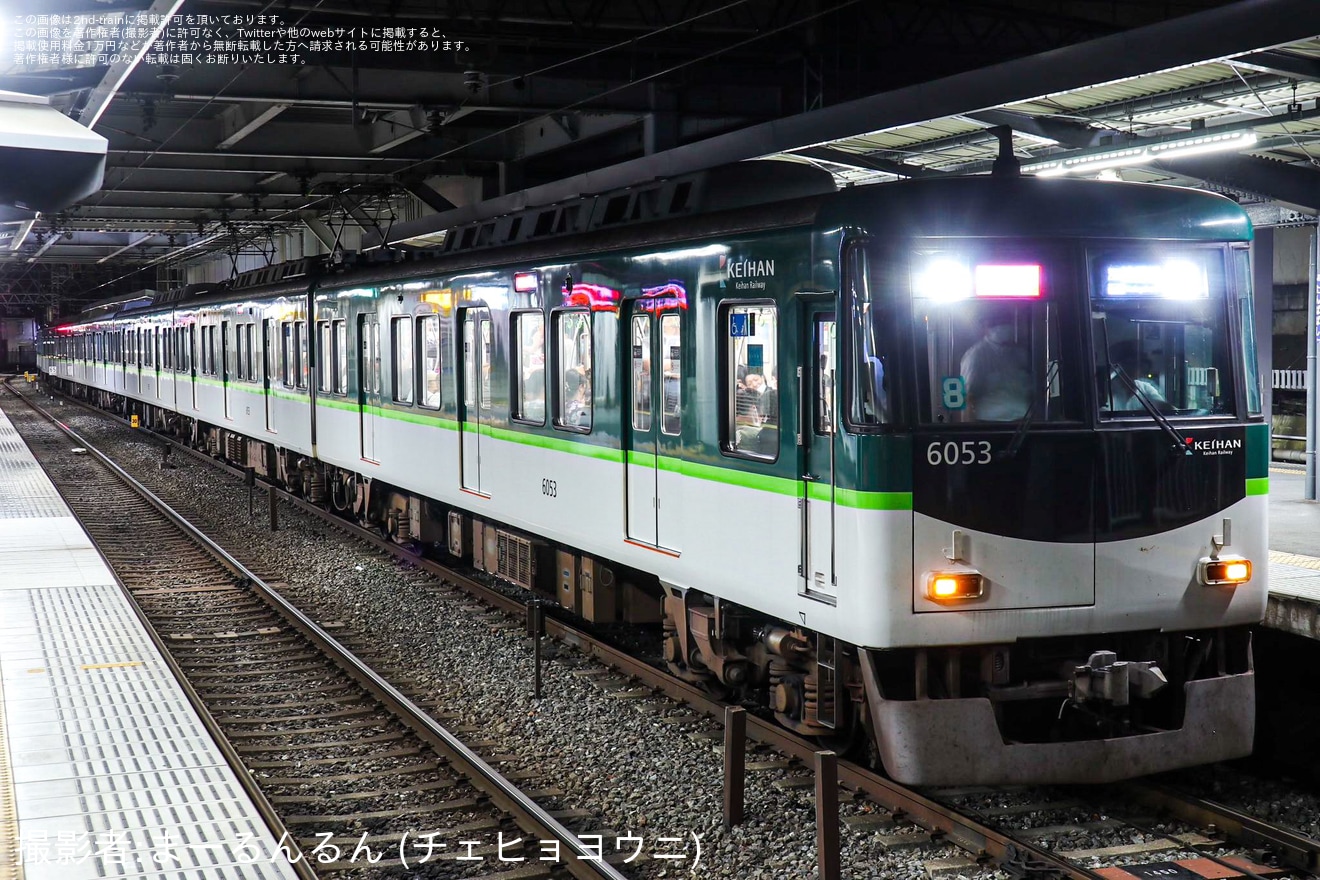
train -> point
(965, 475)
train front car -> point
(1088, 475)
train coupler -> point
(1106, 678)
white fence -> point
(1290, 380)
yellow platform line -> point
(111, 665)
(11, 866)
(1296, 559)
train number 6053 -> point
(549, 488)
(966, 452)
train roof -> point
(954, 207)
(1028, 207)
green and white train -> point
(972, 471)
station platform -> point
(105, 768)
(1294, 604)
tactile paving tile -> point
(114, 775)
(25, 490)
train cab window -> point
(868, 385)
(401, 344)
(325, 364)
(988, 332)
(287, 349)
(428, 361)
(529, 367)
(1247, 327)
(1160, 332)
(341, 356)
(751, 401)
(573, 359)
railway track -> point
(351, 773)
(1206, 831)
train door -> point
(368, 382)
(653, 428)
(268, 370)
(225, 363)
(475, 410)
(820, 421)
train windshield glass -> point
(988, 331)
(1159, 330)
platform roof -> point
(540, 105)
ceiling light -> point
(1137, 155)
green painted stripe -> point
(861, 500)
(1258, 485)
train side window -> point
(573, 358)
(286, 353)
(671, 375)
(867, 385)
(428, 360)
(341, 356)
(324, 357)
(751, 402)
(641, 372)
(300, 350)
(251, 330)
(240, 365)
(401, 345)
(529, 367)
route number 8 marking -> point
(954, 390)
(966, 452)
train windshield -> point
(1159, 330)
(993, 349)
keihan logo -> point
(748, 274)
(1216, 447)
(751, 268)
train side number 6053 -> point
(966, 452)
(549, 488)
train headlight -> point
(954, 586)
(1226, 571)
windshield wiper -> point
(1180, 442)
(1024, 423)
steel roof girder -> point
(1295, 185)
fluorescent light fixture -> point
(1214, 143)
(1137, 155)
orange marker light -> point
(1225, 571)
(953, 586)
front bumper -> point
(957, 742)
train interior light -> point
(1172, 279)
(1008, 280)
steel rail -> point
(297, 859)
(505, 795)
(1297, 849)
